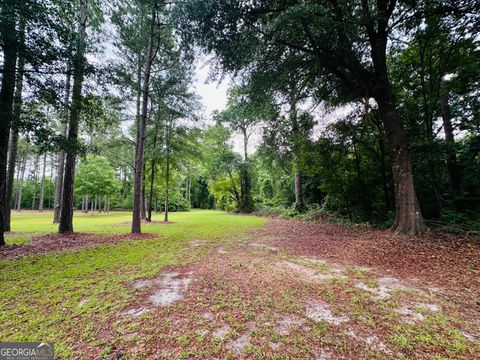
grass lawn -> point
(40, 295)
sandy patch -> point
(386, 285)
(319, 311)
(285, 324)
(312, 274)
(138, 284)
(172, 287)
(238, 345)
(221, 332)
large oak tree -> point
(344, 44)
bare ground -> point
(296, 290)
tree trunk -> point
(167, 185)
(167, 173)
(35, 167)
(408, 217)
(152, 176)
(144, 199)
(150, 196)
(454, 174)
(7, 32)
(91, 207)
(61, 158)
(139, 149)
(42, 184)
(246, 201)
(66, 217)
(17, 107)
(298, 191)
(20, 184)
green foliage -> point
(96, 176)
(222, 191)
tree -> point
(341, 44)
(151, 53)
(244, 116)
(95, 179)
(66, 218)
(9, 48)
(17, 108)
(61, 154)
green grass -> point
(40, 295)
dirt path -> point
(298, 290)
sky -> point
(213, 95)
(212, 92)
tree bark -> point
(61, 159)
(408, 217)
(66, 217)
(454, 174)
(7, 33)
(42, 184)
(152, 176)
(139, 149)
(144, 199)
(167, 172)
(167, 176)
(17, 108)
(298, 191)
(150, 197)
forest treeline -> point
(367, 110)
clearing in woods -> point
(215, 285)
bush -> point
(269, 211)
